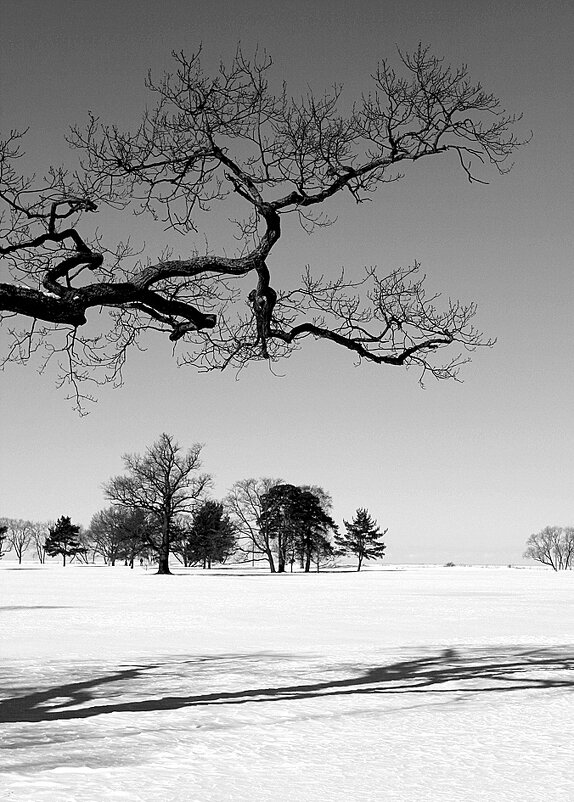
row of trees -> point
(553, 546)
(159, 507)
(47, 539)
(20, 536)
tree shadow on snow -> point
(449, 672)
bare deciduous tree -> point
(553, 546)
(40, 531)
(245, 506)
(19, 535)
(229, 143)
(164, 483)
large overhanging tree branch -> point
(229, 142)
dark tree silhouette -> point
(164, 483)
(63, 538)
(121, 533)
(363, 538)
(297, 524)
(229, 144)
(210, 537)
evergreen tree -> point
(363, 538)
(63, 538)
(211, 538)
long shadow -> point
(29, 707)
(446, 672)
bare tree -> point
(39, 532)
(553, 546)
(245, 506)
(164, 483)
(229, 142)
(19, 535)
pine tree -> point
(63, 538)
(211, 537)
(363, 538)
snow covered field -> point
(416, 684)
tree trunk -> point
(280, 560)
(163, 564)
(163, 556)
(280, 555)
(360, 562)
(64, 556)
(271, 561)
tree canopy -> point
(233, 144)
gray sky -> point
(461, 472)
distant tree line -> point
(160, 508)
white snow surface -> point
(417, 684)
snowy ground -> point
(445, 684)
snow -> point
(416, 684)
